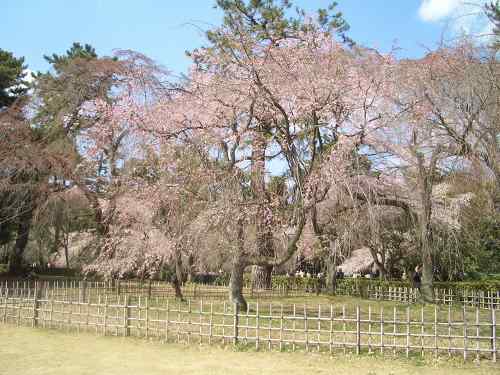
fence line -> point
(66, 288)
(469, 332)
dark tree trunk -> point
(425, 184)
(191, 273)
(57, 229)
(66, 254)
(177, 288)
(236, 283)
(330, 254)
(331, 277)
(237, 270)
(427, 288)
(177, 280)
(23, 232)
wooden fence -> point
(74, 288)
(408, 330)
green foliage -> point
(63, 90)
(223, 279)
(291, 282)
(76, 51)
(493, 13)
(57, 273)
(479, 238)
(361, 284)
(12, 83)
(4, 268)
(270, 21)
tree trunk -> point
(23, 231)
(66, 254)
(190, 264)
(57, 228)
(331, 256)
(177, 288)
(237, 270)
(426, 289)
(331, 277)
(177, 280)
(380, 265)
(236, 282)
(261, 276)
(425, 184)
(332, 268)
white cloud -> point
(460, 16)
(435, 10)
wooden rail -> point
(469, 332)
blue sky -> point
(164, 29)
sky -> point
(165, 29)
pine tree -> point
(12, 83)
(493, 13)
(76, 51)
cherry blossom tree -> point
(462, 93)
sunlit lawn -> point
(38, 351)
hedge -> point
(312, 283)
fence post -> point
(52, 309)
(126, 316)
(235, 323)
(147, 313)
(210, 328)
(17, 304)
(36, 303)
(83, 290)
(493, 334)
(167, 319)
(358, 330)
(306, 328)
(407, 331)
(5, 305)
(105, 314)
(35, 295)
(149, 288)
(257, 330)
(464, 314)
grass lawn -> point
(38, 351)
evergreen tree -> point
(76, 51)
(12, 83)
(493, 13)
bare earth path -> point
(26, 351)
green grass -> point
(38, 351)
